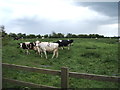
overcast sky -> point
(61, 16)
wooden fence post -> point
(64, 77)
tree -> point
(6, 39)
(19, 35)
(74, 36)
(13, 35)
(60, 35)
(69, 35)
(50, 36)
(39, 36)
(83, 36)
(31, 36)
(24, 35)
(46, 36)
(2, 31)
(54, 35)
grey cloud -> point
(33, 26)
(107, 8)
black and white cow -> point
(28, 46)
(64, 43)
(17, 38)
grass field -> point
(85, 56)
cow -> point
(28, 46)
(119, 40)
(17, 38)
(64, 43)
(48, 47)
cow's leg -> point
(53, 53)
(57, 53)
(41, 54)
(68, 48)
(62, 48)
(27, 52)
(39, 51)
(45, 54)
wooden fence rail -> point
(94, 77)
(64, 73)
(32, 69)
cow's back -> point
(48, 46)
(64, 43)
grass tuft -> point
(90, 55)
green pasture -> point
(85, 56)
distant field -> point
(85, 56)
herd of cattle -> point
(40, 47)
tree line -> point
(52, 35)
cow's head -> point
(71, 42)
(60, 40)
(37, 43)
(20, 45)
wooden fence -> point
(63, 73)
